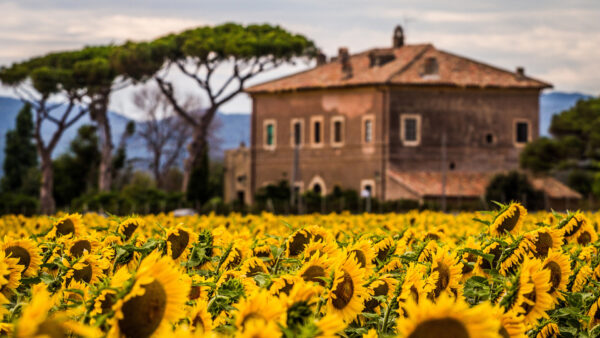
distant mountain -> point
(234, 128)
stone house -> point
(403, 122)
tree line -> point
(62, 87)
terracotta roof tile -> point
(469, 184)
(405, 69)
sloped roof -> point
(469, 184)
(406, 68)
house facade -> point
(379, 120)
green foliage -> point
(20, 161)
(76, 171)
(514, 186)
(541, 155)
(581, 181)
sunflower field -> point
(420, 274)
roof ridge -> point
(500, 69)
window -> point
(410, 129)
(269, 134)
(368, 131)
(431, 66)
(521, 132)
(316, 131)
(337, 131)
(297, 137)
(489, 138)
(317, 185)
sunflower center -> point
(360, 257)
(298, 242)
(443, 327)
(597, 315)
(65, 227)
(255, 270)
(382, 253)
(264, 253)
(503, 332)
(510, 222)
(485, 265)
(84, 274)
(380, 290)
(555, 275)
(543, 244)
(178, 243)
(526, 306)
(584, 238)
(79, 247)
(343, 292)
(313, 274)
(143, 314)
(51, 328)
(415, 293)
(107, 303)
(443, 280)
(194, 292)
(288, 287)
(128, 229)
(21, 253)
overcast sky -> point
(557, 41)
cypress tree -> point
(20, 153)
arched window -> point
(317, 185)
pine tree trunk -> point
(195, 152)
(99, 113)
(47, 204)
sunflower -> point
(586, 235)
(104, 302)
(347, 294)
(559, 266)
(283, 285)
(511, 323)
(508, 220)
(428, 251)
(299, 305)
(382, 286)
(322, 248)
(446, 271)
(234, 257)
(36, 319)
(129, 226)
(513, 256)
(317, 268)
(383, 249)
(571, 224)
(582, 276)
(81, 245)
(179, 242)
(534, 298)
(483, 265)
(546, 329)
(329, 326)
(11, 272)
(27, 253)
(544, 239)
(253, 266)
(261, 306)
(199, 318)
(394, 265)
(448, 317)
(87, 269)
(156, 299)
(414, 287)
(363, 251)
(594, 313)
(256, 328)
(69, 225)
(297, 242)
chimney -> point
(520, 73)
(344, 58)
(398, 39)
(321, 58)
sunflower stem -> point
(386, 317)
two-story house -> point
(404, 122)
